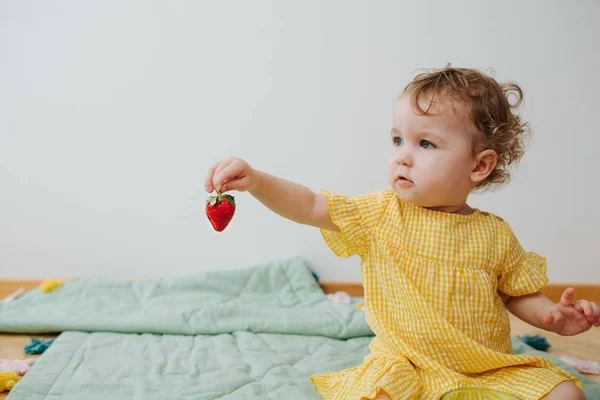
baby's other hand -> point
(567, 318)
(230, 174)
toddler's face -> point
(432, 155)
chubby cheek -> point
(454, 174)
(445, 180)
(391, 172)
(441, 171)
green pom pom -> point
(38, 346)
(537, 342)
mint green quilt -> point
(253, 333)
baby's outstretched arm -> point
(565, 318)
(288, 199)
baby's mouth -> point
(404, 182)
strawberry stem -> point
(220, 197)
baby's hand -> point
(230, 174)
(567, 318)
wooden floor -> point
(585, 346)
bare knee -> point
(565, 391)
(381, 395)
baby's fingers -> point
(590, 309)
(236, 184)
(226, 173)
(566, 300)
(583, 306)
(596, 311)
(208, 182)
(220, 174)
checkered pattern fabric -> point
(431, 280)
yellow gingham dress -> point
(431, 281)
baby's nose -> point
(405, 158)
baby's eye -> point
(426, 144)
(398, 141)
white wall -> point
(111, 112)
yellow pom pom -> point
(50, 284)
(8, 380)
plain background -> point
(111, 113)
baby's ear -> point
(485, 162)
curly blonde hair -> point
(490, 109)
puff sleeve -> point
(356, 217)
(523, 272)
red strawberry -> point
(220, 210)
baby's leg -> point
(382, 395)
(565, 391)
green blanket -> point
(280, 296)
(251, 333)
